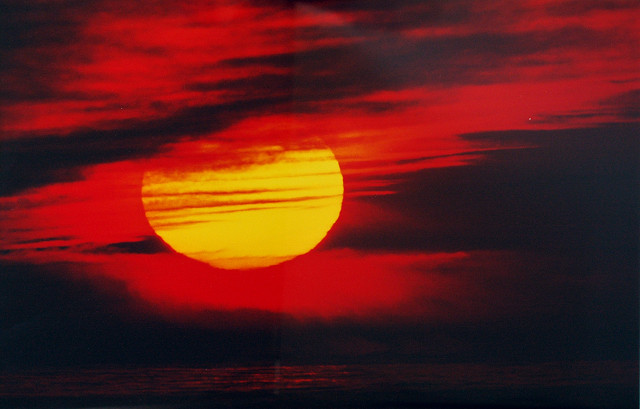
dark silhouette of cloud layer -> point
(575, 190)
(36, 161)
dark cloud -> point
(148, 245)
(35, 47)
(262, 84)
(45, 240)
(407, 14)
(32, 162)
(40, 23)
(34, 39)
(285, 60)
(622, 107)
(581, 7)
(387, 62)
(570, 118)
(626, 105)
(360, 5)
(53, 315)
(379, 15)
(576, 192)
(377, 107)
(39, 249)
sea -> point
(603, 384)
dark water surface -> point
(608, 384)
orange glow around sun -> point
(269, 206)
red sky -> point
(414, 98)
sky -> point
(488, 151)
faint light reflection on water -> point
(188, 381)
(161, 381)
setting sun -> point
(246, 215)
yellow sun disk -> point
(252, 216)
